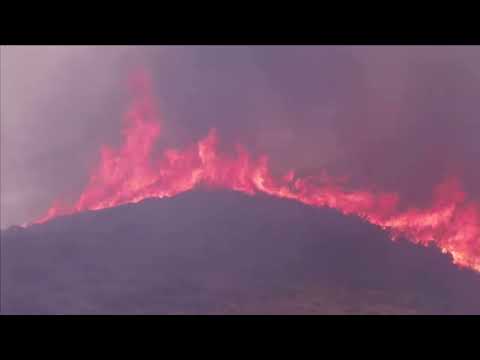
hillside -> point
(225, 252)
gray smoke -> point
(399, 118)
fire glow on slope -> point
(130, 174)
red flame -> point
(130, 174)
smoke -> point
(418, 123)
(400, 119)
(58, 104)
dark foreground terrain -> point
(224, 252)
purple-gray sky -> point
(400, 118)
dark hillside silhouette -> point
(225, 252)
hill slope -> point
(225, 252)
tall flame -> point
(131, 173)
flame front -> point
(131, 173)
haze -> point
(400, 118)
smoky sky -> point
(396, 118)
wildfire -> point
(131, 173)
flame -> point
(131, 173)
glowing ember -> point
(131, 174)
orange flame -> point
(130, 174)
